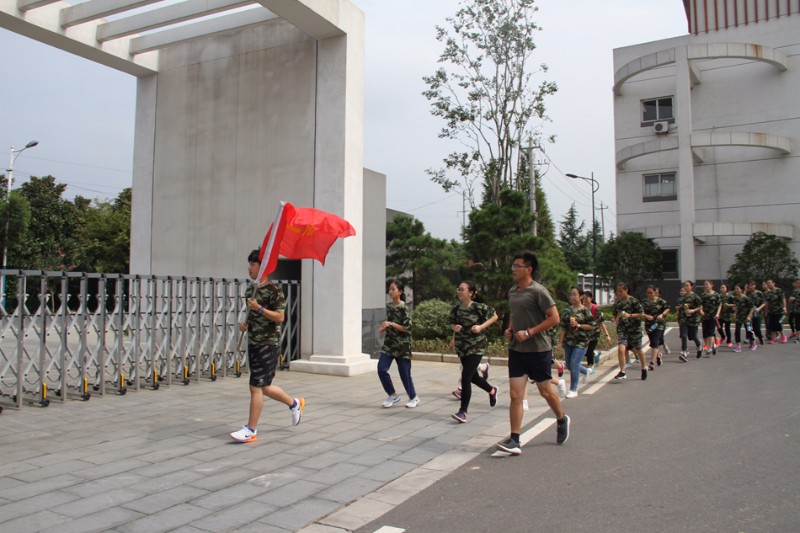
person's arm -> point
(275, 316)
(551, 320)
(477, 328)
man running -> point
(530, 352)
(757, 297)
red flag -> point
(301, 233)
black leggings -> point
(757, 328)
(737, 330)
(590, 352)
(725, 330)
(469, 375)
(689, 332)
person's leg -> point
(756, 323)
(590, 349)
(573, 367)
(737, 332)
(469, 368)
(621, 354)
(683, 331)
(404, 369)
(517, 391)
(726, 326)
(384, 363)
(550, 396)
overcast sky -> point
(82, 114)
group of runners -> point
(533, 317)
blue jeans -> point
(573, 356)
(403, 368)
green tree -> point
(51, 237)
(763, 257)
(496, 233)
(427, 264)
(630, 257)
(573, 242)
(104, 235)
(487, 94)
(15, 219)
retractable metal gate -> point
(70, 335)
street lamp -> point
(595, 187)
(12, 156)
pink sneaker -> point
(457, 393)
(783, 339)
(729, 344)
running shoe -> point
(753, 346)
(783, 339)
(457, 393)
(682, 357)
(738, 349)
(560, 369)
(413, 402)
(644, 374)
(297, 410)
(628, 362)
(509, 446)
(729, 344)
(493, 397)
(572, 394)
(484, 373)
(699, 353)
(391, 400)
(714, 350)
(461, 416)
(717, 341)
(245, 434)
(772, 341)
(650, 367)
(562, 430)
(666, 349)
(562, 388)
(658, 360)
(621, 376)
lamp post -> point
(13, 154)
(595, 187)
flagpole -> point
(268, 252)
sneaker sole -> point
(302, 402)
(567, 437)
(251, 439)
(454, 417)
(512, 451)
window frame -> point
(658, 118)
(660, 197)
(670, 274)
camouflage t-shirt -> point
(726, 314)
(795, 305)
(577, 337)
(774, 300)
(757, 297)
(655, 308)
(260, 329)
(688, 302)
(711, 301)
(468, 343)
(596, 321)
(396, 343)
(743, 306)
(631, 327)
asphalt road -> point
(708, 445)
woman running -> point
(397, 347)
(577, 324)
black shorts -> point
(535, 365)
(774, 321)
(709, 327)
(656, 337)
(263, 359)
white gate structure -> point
(68, 335)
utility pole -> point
(463, 212)
(532, 176)
(603, 218)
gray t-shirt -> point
(528, 307)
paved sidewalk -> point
(163, 461)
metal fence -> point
(70, 335)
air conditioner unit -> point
(661, 127)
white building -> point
(707, 130)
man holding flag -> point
(265, 314)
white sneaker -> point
(572, 394)
(391, 400)
(413, 402)
(562, 388)
(245, 434)
(589, 372)
(297, 410)
(524, 405)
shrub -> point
(431, 320)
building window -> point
(669, 264)
(660, 187)
(657, 109)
